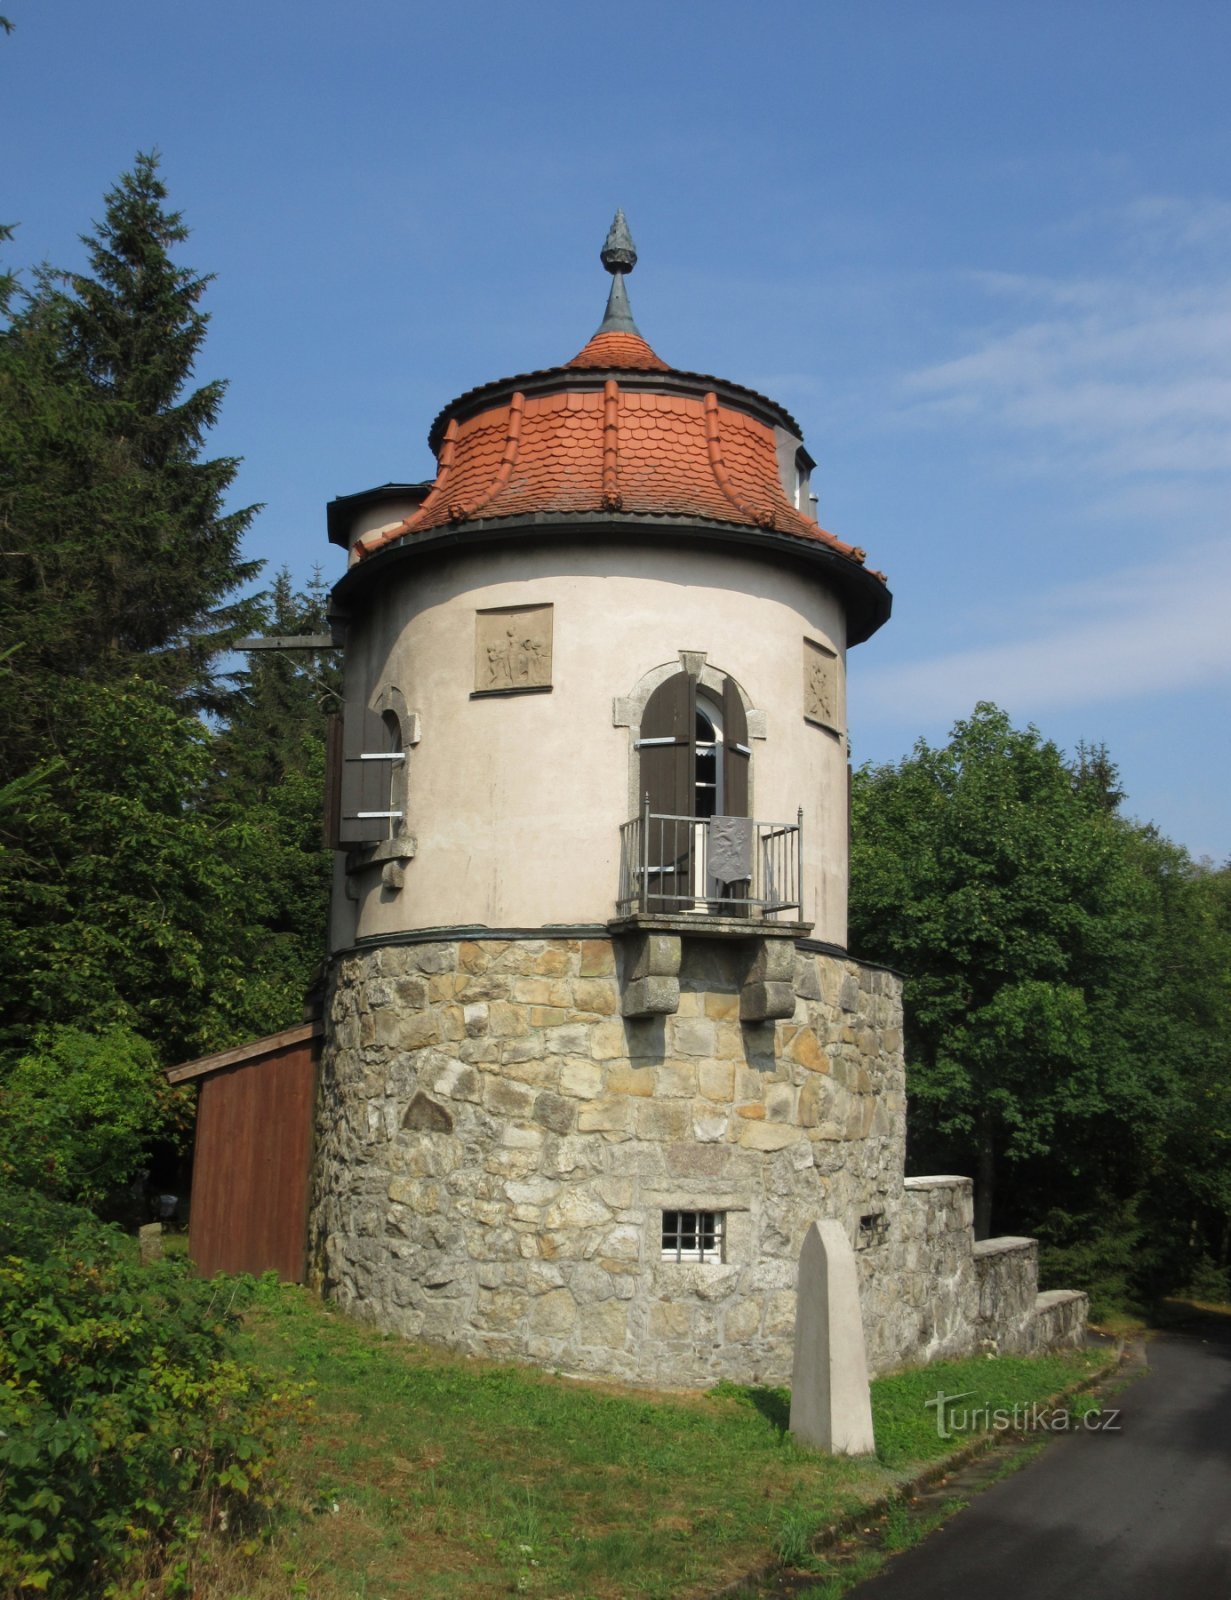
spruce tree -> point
(134, 330)
(117, 555)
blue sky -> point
(981, 251)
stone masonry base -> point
(497, 1145)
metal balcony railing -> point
(720, 866)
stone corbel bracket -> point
(652, 975)
(653, 957)
(768, 990)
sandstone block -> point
(675, 1079)
(662, 1119)
(722, 1007)
(638, 1081)
(553, 962)
(779, 1102)
(716, 1079)
(608, 1042)
(507, 1099)
(576, 1208)
(691, 1036)
(709, 1126)
(597, 958)
(555, 1112)
(606, 1116)
(581, 1079)
(670, 1320)
(767, 1136)
(741, 1321)
(805, 1048)
(506, 1020)
(548, 1016)
(604, 1325)
(540, 991)
(595, 996)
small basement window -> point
(694, 1235)
(873, 1230)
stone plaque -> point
(821, 699)
(512, 649)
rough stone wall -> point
(923, 1293)
(496, 1146)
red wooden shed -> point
(252, 1157)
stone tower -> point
(596, 1054)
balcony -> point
(723, 867)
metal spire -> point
(619, 256)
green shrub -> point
(126, 1425)
(79, 1111)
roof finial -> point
(618, 255)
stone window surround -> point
(392, 854)
(627, 711)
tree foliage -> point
(79, 1111)
(156, 871)
(127, 1426)
(118, 554)
(1052, 1042)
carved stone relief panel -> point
(512, 649)
(822, 686)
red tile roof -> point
(631, 448)
(627, 351)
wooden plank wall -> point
(252, 1163)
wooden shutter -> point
(366, 785)
(668, 777)
(668, 732)
(736, 753)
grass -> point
(430, 1475)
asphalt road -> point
(1142, 1513)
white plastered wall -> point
(515, 802)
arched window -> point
(694, 758)
(372, 780)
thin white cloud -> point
(1133, 634)
(1123, 374)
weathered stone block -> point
(581, 1079)
(763, 1002)
(653, 955)
(606, 1116)
(716, 1079)
(650, 997)
(638, 1081)
(595, 996)
(597, 958)
(555, 1112)
(691, 1036)
(604, 1325)
(662, 1119)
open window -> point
(694, 766)
(367, 777)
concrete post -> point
(831, 1407)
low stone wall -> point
(920, 1306)
(1058, 1321)
(1007, 1275)
(496, 1148)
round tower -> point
(596, 1054)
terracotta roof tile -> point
(627, 351)
(620, 449)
